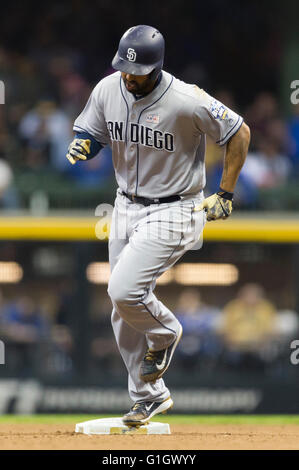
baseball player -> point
(156, 127)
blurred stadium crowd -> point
(49, 75)
(248, 333)
(36, 128)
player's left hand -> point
(78, 150)
(216, 207)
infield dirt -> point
(30, 436)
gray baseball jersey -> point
(158, 142)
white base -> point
(116, 426)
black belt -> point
(147, 202)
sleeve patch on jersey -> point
(219, 111)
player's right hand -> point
(78, 150)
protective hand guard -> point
(216, 207)
(78, 150)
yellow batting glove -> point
(216, 207)
(78, 150)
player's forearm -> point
(234, 159)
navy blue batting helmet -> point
(140, 51)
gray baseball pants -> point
(144, 242)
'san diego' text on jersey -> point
(144, 135)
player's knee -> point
(121, 293)
(114, 294)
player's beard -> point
(133, 87)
